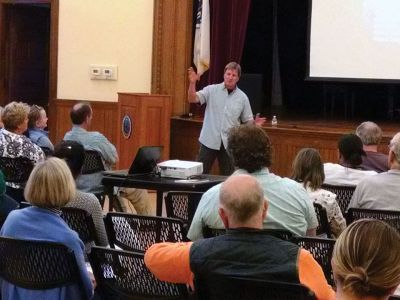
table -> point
(113, 179)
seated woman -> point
(348, 171)
(366, 261)
(309, 170)
(36, 125)
(74, 154)
(49, 187)
(13, 142)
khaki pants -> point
(138, 198)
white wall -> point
(104, 32)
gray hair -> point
(369, 133)
(394, 146)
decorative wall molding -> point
(172, 50)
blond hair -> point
(14, 114)
(242, 196)
(50, 184)
(366, 259)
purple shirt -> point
(375, 161)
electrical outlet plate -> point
(103, 72)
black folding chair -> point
(16, 170)
(234, 288)
(123, 275)
(137, 233)
(182, 205)
(93, 163)
(343, 195)
(38, 265)
(323, 223)
(321, 249)
(82, 222)
(391, 217)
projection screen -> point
(354, 40)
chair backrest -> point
(82, 222)
(343, 195)
(137, 233)
(92, 163)
(221, 287)
(38, 265)
(78, 220)
(123, 275)
(389, 216)
(286, 235)
(47, 151)
(321, 249)
(323, 223)
(16, 170)
(182, 205)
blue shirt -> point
(289, 206)
(93, 140)
(223, 111)
(40, 137)
(33, 223)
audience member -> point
(289, 205)
(7, 204)
(74, 154)
(348, 171)
(36, 125)
(381, 191)
(366, 261)
(309, 170)
(81, 116)
(242, 208)
(371, 135)
(13, 143)
(50, 186)
(227, 106)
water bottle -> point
(274, 121)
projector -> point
(180, 168)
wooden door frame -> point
(53, 51)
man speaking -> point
(227, 106)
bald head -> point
(242, 201)
(80, 113)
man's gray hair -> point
(395, 146)
(369, 133)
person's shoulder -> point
(212, 192)
(291, 183)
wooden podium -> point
(144, 120)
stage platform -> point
(287, 139)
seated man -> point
(290, 206)
(371, 135)
(381, 191)
(245, 250)
(81, 117)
